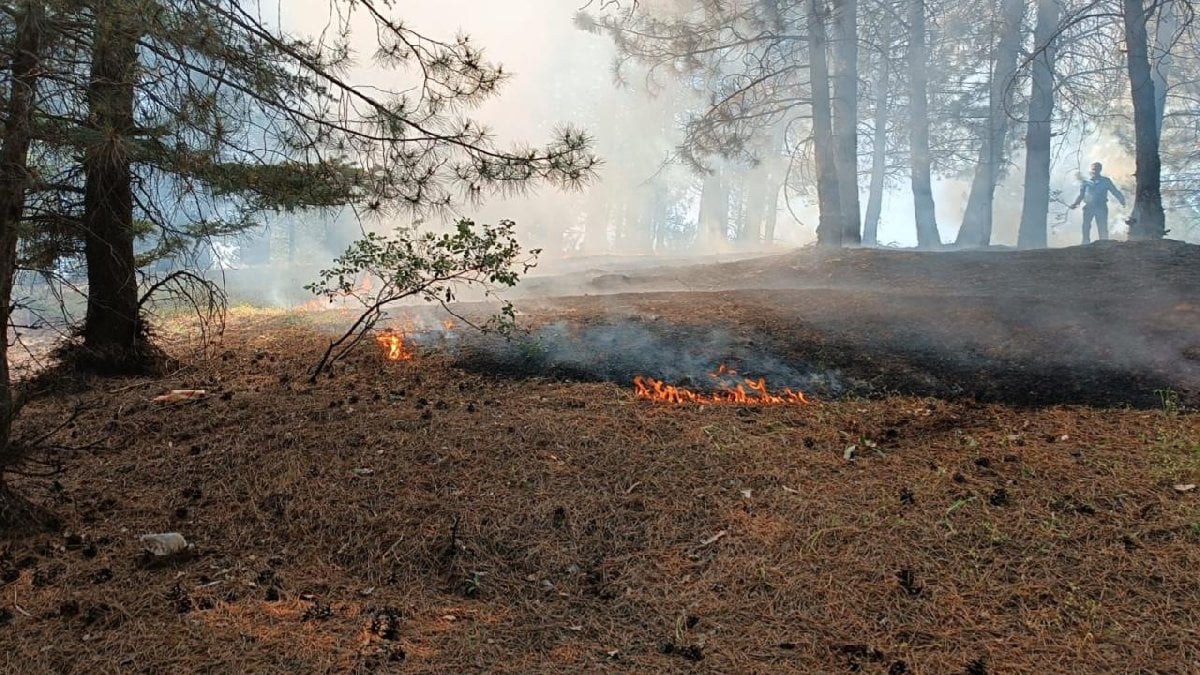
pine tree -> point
(202, 116)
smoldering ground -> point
(1109, 324)
(689, 356)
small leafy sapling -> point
(422, 264)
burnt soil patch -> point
(1108, 324)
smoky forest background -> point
(589, 334)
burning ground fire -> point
(746, 392)
(393, 346)
(731, 388)
(396, 343)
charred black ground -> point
(1108, 324)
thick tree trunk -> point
(1148, 221)
(976, 228)
(830, 224)
(112, 330)
(845, 115)
(1035, 206)
(879, 136)
(922, 159)
(14, 180)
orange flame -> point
(722, 371)
(393, 346)
(746, 392)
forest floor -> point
(975, 500)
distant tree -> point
(756, 61)
(845, 114)
(976, 228)
(1147, 220)
(1035, 205)
(922, 157)
(831, 226)
(881, 89)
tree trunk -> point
(756, 204)
(714, 210)
(1035, 205)
(1165, 29)
(845, 115)
(830, 224)
(1148, 220)
(771, 217)
(14, 180)
(976, 228)
(879, 137)
(922, 159)
(776, 171)
(661, 218)
(737, 206)
(112, 330)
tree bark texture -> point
(976, 228)
(830, 224)
(845, 115)
(922, 160)
(879, 137)
(14, 181)
(1148, 220)
(112, 328)
(1035, 205)
(1165, 28)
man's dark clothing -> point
(1100, 215)
(1093, 193)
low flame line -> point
(747, 392)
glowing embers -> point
(393, 346)
(743, 392)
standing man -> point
(1093, 193)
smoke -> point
(616, 352)
(559, 74)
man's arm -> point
(1079, 199)
(1116, 193)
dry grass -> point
(962, 537)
